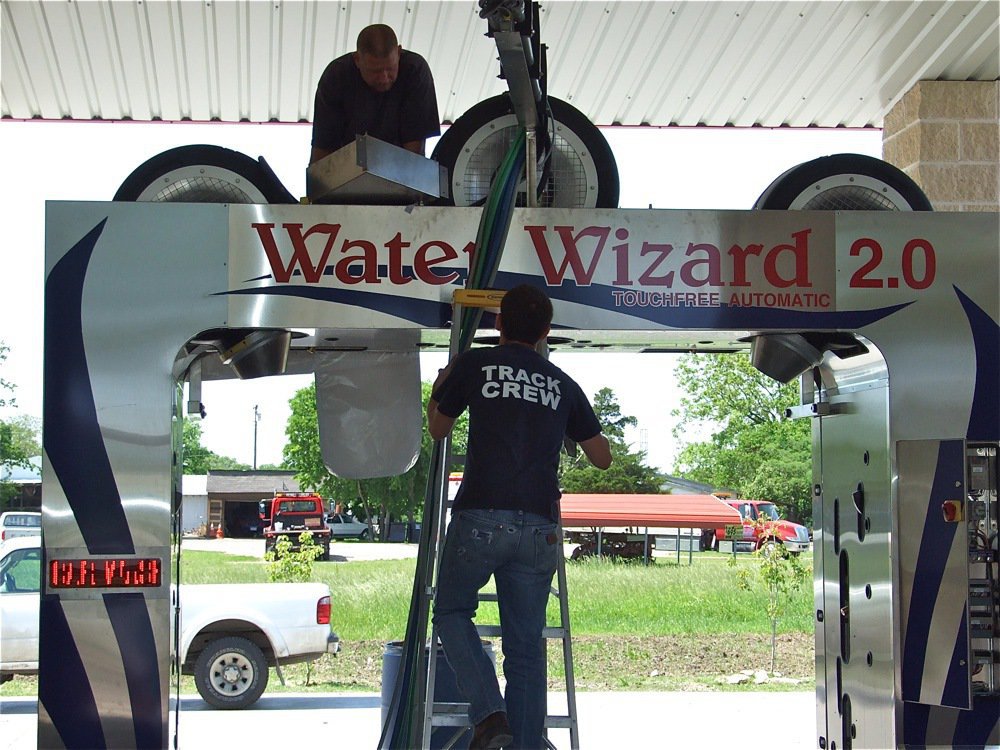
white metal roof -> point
(797, 64)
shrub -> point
(285, 565)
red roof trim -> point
(660, 511)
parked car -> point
(230, 633)
(15, 523)
(20, 582)
(346, 526)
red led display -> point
(104, 573)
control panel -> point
(984, 577)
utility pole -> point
(256, 419)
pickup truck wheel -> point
(363, 536)
(325, 554)
(231, 673)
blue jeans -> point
(520, 550)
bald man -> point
(381, 90)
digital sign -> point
(105, 573)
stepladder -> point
(446, 720)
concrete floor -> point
(608, 721)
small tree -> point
(286, 565)
(778, 573)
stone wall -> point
(946, 136)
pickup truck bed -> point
(230, 633)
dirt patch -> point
(679, 662)
(669, 662)
(682, 662)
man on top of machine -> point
(382, 90)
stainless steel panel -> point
(855, 654)
(934, 269)
(144, 278)
(373, 172)
(933, 575)
(120, 302)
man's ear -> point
(497, 325)
(354, 57)
(545, 335)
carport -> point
(647, 511)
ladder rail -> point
(567, 646)
(430, 595)
(439, 524)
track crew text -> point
(503, 381)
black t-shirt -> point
(346, 106)
(520, 407)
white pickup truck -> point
(230, 633)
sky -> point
(670, 168)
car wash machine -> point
(205, 268)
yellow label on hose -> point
(478, 297)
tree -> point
(19, 441)
(628, 474)
(288, 565)
(197, 458)
(381, 499)
(779, 574)
(754, 450)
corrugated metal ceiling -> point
(772, 64)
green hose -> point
(404, 725)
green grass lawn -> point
(371, 599)
(659, 627)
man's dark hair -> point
(377, 40)
(526, 312)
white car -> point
(15, 523)
(346, 526)
(20, 582)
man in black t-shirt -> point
(382, 90)
(506, 513)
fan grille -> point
(566, 186)
(849, 198)
(201, 190)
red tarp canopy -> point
(661, 511)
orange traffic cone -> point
(218, 532)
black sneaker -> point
(492, 733)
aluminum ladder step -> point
(493, 631)
(457, 715)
